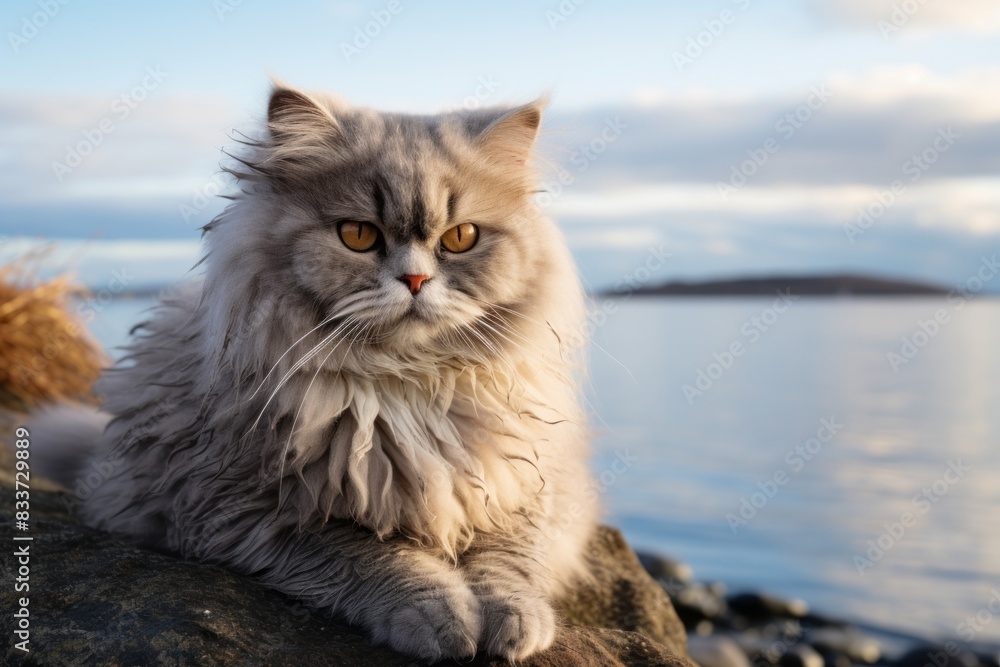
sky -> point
(733, 137)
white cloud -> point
(617, 236)
(969, 95)
(668, 161)
(967, 204)
(173, 140)
(99, 263)
(975, 16)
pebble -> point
(835, 659)
(716, 651)
(756, 606)
(802, 656)
(847, 642)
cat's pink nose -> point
(414, 282)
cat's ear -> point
(304, 136)
(294, 116)
(509, 139)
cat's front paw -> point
(440, 623)
(516, 625)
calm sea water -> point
(813, 463)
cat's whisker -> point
(500, 356)
(295, 420)
(582, 334)
(285, 354)
(533, 354)
(299, 364)
(343, 305)
(590, 405)
(505, 326)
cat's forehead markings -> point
(402, 209)
(442, 149)
(418, 212)
(378, 196)
(452, 198)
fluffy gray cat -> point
(370, 401)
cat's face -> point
(410, 228)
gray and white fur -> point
(416, 463)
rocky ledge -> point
(97, 600)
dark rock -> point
(816, 620)
(772, 643)
(716, 651)
(666, 569)
(987, 657)
(760, 607)
(939, 655)
(696, 603)
(848, 642)
(95, 599)
(801, 656)
(834, 659)
(624, 596)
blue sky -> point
(833, 97)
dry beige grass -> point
(45, 353)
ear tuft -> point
(510, 138)
(294, 115)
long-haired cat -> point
(370, 400)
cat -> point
(370, 399)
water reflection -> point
(702, 455)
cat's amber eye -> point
(359, 236)
(460, 237)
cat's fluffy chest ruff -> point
(437, 460)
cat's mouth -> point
(415, 312)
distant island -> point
(825, 285)
(830, 285)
